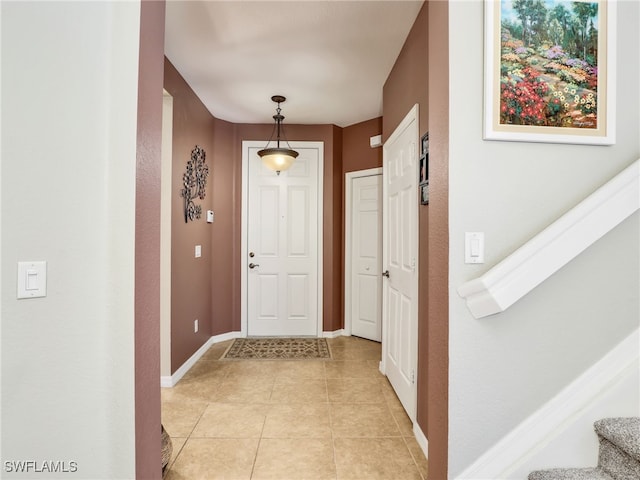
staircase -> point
(619, 457)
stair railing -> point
(555, 246)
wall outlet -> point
(195, 326)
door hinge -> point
(413, 377)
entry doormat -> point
(278, 348)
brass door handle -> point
(253, 265)
(385, 273)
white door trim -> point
(349, 178)
(166, 196)
(244, 249)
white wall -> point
(69, 103)
(504, 367)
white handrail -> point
(555, 246)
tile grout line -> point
(404, 440)
(415, 462)
(333, 443)
(188, 438)
(255, 457)
(269, 405)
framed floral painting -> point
(550, 71)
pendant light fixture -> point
(278, 158)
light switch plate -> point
(198, 251)
(32, 279)
(474, 247)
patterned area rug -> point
(278, 348)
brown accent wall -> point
(147, 242)
(420, 76)
(190, 277)
(438, 238)
(225, 230)
(357, 153)
(334, 240)
(407, 82)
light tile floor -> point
(333, 419)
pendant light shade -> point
(278, 158)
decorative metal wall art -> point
(423, 179)
(194, 181)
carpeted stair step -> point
(618, 458)
(570, 474)
(619, 447)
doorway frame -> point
(348, 204)
(244, 235)
(166, 196)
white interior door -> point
(365, 224)
(282, 268)
(400, 252)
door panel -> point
(267, 215)
(282, 243)
(298, 221)
(366, 257)
(268, 293)
(400, 249)
(298, 293)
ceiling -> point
(329, 58)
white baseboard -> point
(421, 438)
(223, 337)
(558, 415)
(167, 381)
(334, 334)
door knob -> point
(385, 273)
(253, 265)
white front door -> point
(365, 256)
(400, 252)
(282, 271)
